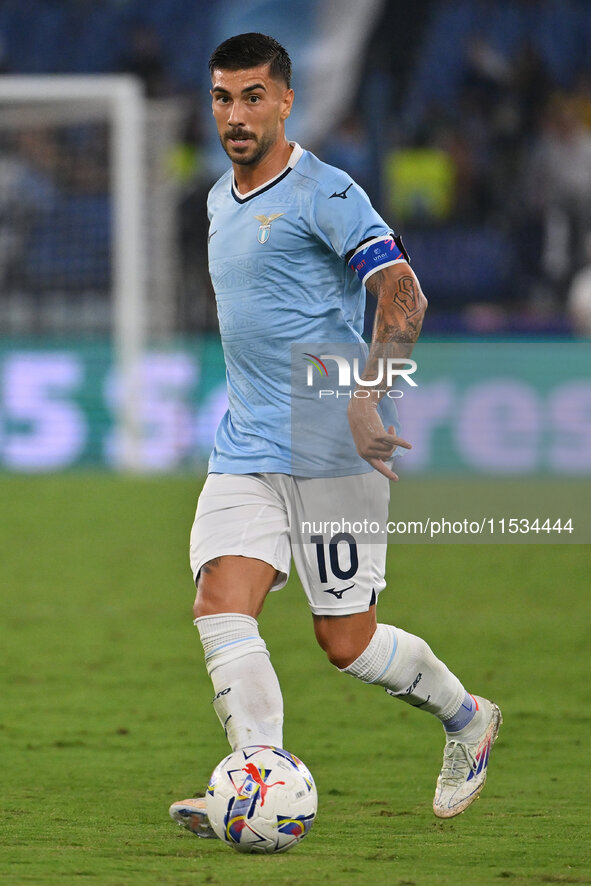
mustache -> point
(239, 133)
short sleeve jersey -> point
(278, 260)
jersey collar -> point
(293, 159)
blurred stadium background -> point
(467, 122)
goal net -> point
(88, 275)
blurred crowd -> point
(512, 153)
(505, 157)
(506, 162)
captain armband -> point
(379, 252)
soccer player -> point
(293, 243)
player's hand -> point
(372, 441)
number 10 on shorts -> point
(334, 554)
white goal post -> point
(118, 98)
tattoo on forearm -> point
(398, 319)
(399, 314)
(401, 330)
(407, 297)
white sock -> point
(408, 669)
(247, 697)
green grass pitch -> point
(106, 713)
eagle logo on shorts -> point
(264, 231)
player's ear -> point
(286, 103)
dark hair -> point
(249, 51)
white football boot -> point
(192, 815)
(465, 764)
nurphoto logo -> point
(388, 370)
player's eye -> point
(253, 99)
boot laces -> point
(458, 760)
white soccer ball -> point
(261, 799)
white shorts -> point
(272, 517)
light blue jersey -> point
(278, 260)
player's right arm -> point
(398, 320)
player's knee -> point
(341, 649)
(207, 600)
(341, 658)
(200, 607)
(231, 585)
(342, 655)
(344, 638)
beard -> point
(258, 147)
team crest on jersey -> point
(264, 231)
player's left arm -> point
(398, 320)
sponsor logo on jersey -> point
(341, 194)
(264, 231)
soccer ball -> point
(261, 799)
